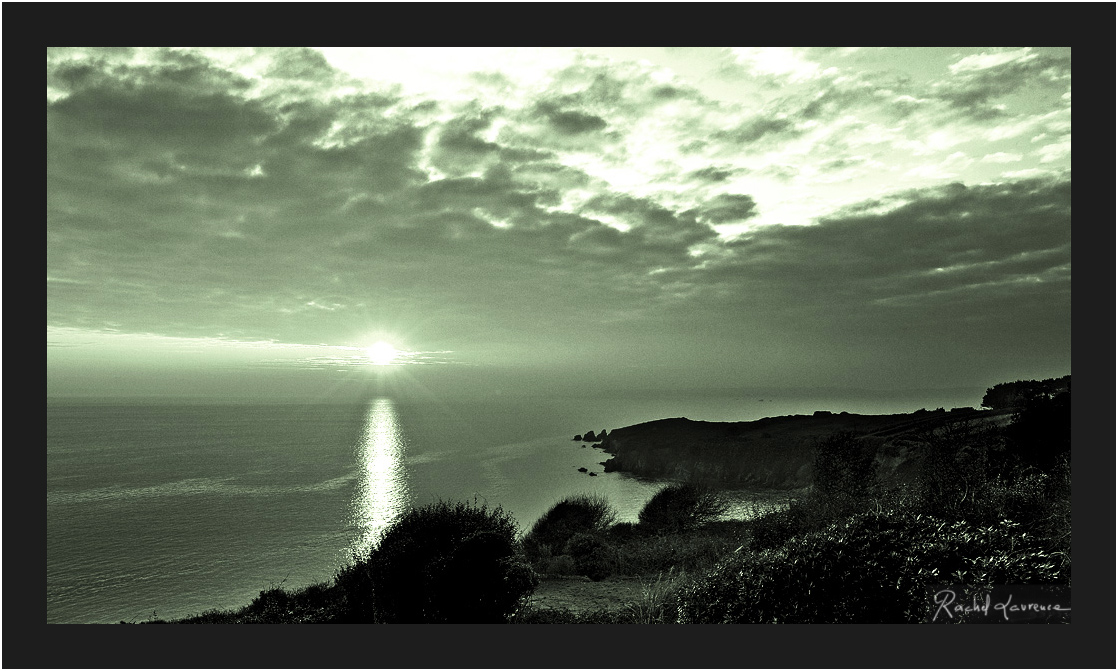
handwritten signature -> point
(945, 600)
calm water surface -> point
(171, 510)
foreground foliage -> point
(442, 563)
(569, 537)
(868, 568)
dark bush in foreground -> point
(681, 507)
(583, 514)
(449, 563)
(868, 568)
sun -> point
(381, 353)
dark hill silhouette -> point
(774, 451)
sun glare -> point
(381, 353)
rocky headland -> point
(775, 452)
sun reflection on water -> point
(382, 491)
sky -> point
(250, 222)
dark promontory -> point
(771, 452)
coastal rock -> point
(589, 437)
(578, 436)
(582, 469)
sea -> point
(169, 509)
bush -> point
(868, 568)
(695, 551)
(960, 459)
(592, 556)
(843, 469)
(681, 507)
(1040, 433)
(773, 530)
(585, 514)
(356, 586)
(447, 563)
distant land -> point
(773, 452)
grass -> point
(657, 603)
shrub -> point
(693, 551)
(356, 586)
(868, 568)
(271, 606)
(773, 530)
(586, 513)
(843, 469)
(681, 507)
(959, 460)
(1040, 433)
(559, 565)
(448, 562)
(592, 556)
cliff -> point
(773, 452)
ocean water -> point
(169, 510)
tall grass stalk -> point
(656, 604)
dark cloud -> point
(157, 107)
(713, 174)
(728, 208)
(945, 249)
(843, 163)
(754, 129)
(653, 224)
(571, 122)
(461, 133)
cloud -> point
(570, 122)
(713, 174)
(977, 79)
(301, 64)
(780, 62)
(1056, 151)
(1001, 157)
(944, 249)
(728, 208)
(985, 61)
(263, 194)
(950, 166)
